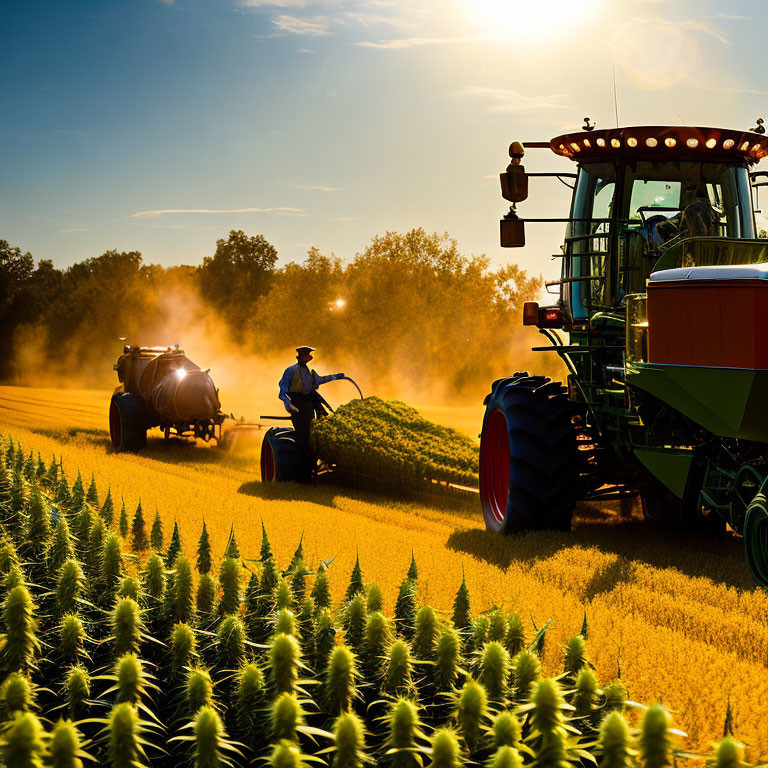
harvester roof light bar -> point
(655, 142)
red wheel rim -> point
(494, 467)
(267, 463)
(114, 425)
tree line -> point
(410, 309)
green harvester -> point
(661, 320)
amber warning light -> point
(542, 317)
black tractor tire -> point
(282, 459)
(127, 422)
(529, 458)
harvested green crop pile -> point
(392, 442)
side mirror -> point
(514, 184)
(512, 231)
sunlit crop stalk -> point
(526, 671)
(406, 607)
(325, 634)
(77, 691)
(286, 716)
(70, 586)
(64, 746)
(71, 645)
(575, 656)
(497, 627)
(154, 578)
(174, 548)
(446, 749)
(404, 733)
(284, 661)
(341, 680)
(615, 743)
(471, 712)
(505, 730)
(180, 596)
(374, 601)
(23, 742)
(494, 668)
(112, 567)
(230, 641)
(356, 586)
(15, 695)
(207, 589)
(398, 670)
(515, 639)
(425, 634)
(654, 742)
(198, 690)
(183, 646)
(127, 626)
(229, 579)
(156, 534)
(505, 757)
(21, 642)
(354, 623)
(204, 552)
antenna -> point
(615, 98)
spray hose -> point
(355, 385)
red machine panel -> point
(709, 316)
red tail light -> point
(542, 317)
(531, 313)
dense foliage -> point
(411, 299)
(391, 442)
(133, 659)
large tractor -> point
(662, 323)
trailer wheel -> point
(281, 456)
(756, 539)
(127, 422)
(529, 459)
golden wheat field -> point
(677, 612)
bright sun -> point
(532, 20)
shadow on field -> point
(719, 558)
(76, 434)
(325, 492)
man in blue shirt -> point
(298, 391)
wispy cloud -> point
(319, 17)
(504, 100)
(68, 132)
(163, 211)
(726, 17)
(414, 42)
(317, 188)
(73, 229)
(276, 3)
(749, 91)
(167, 2)
(315, 26)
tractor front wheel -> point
(281, 456)
(127, 422)
(756, 539)
(529, 458)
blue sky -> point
(158, 126)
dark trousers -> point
(301, 422)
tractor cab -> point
(663, 301)
(637, 193)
